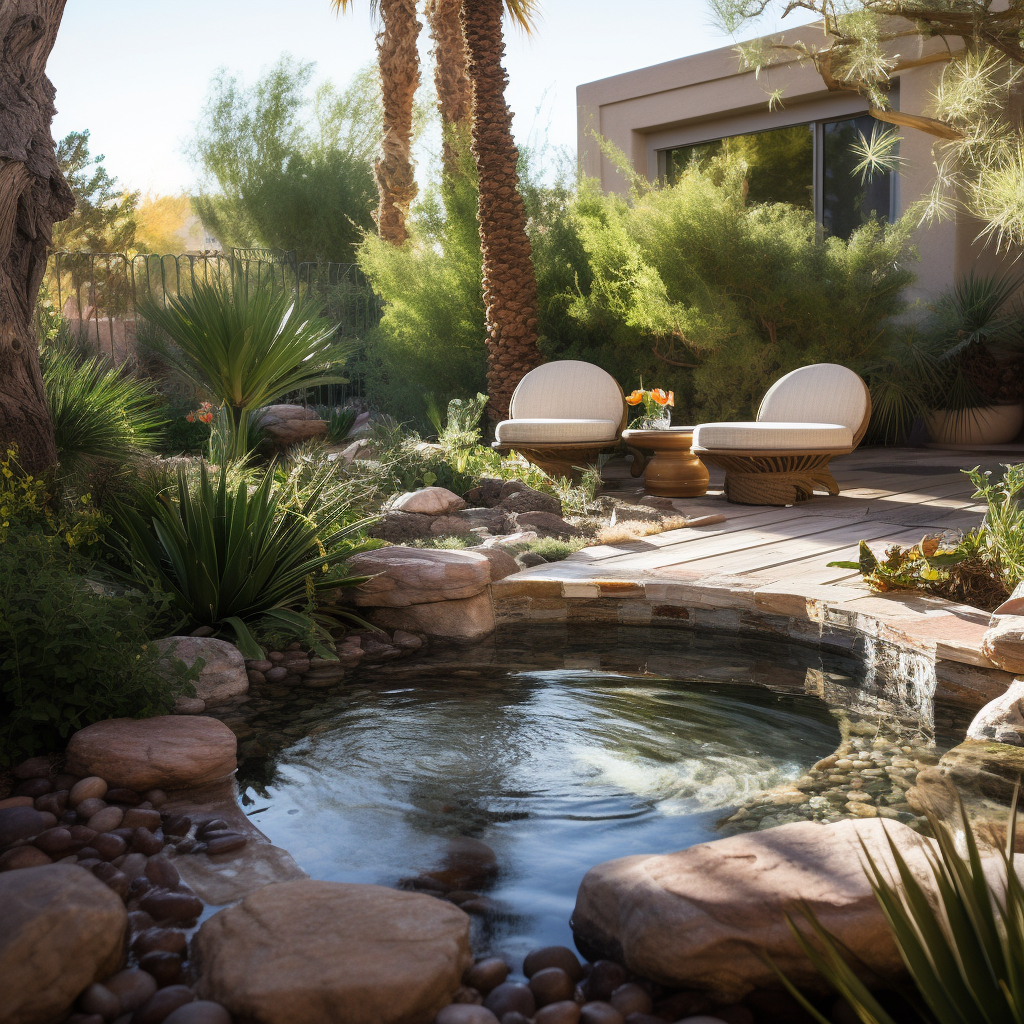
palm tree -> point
(33, 195)
(509, 284)
(399, 63)
(451, 77)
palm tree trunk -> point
(399, 62)
(510, 288)
(33, 194)
(451, 77)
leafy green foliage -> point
(70, 653)
(963, 946)
(247, 345)
(104, 215)
(287, 169)
(230, 558)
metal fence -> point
(97, 294)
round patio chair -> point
(562, 416)
(807, 417)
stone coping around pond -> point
(936, 641)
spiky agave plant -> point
(961, 939)
(231, 558)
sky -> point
(136, 73)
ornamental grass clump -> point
(247, 344)
(232, 558)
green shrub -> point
(182, 436)
(70, 654)
(247, 344)
(231, 559)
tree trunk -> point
(451, 77)
(399, 62)
(510, 288)
(33, 194)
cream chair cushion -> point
(568, 389)
(556, 431)
(773, 436)
(822, 393)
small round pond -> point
(558, 750)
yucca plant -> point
(232, 558)
(961, 938)
(100, 413)
(247, 344)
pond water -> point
(557, 750)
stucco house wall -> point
(706, 97)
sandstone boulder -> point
(701, 918)
(494, 520)
(502, 563)
(358, 449)
(397, 527)
(517, 497)
(61, 929)
(166, 752)
(223, 673)
(1002, 719)
(1003, 643)
(290, 424)
(334, 953)
(471, 618)
(431, 501)
(411, 576)
(547, 525)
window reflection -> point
(848, 202)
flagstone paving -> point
(768, 566)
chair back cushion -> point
(568, 389)
(821, 393)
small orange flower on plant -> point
(204, 414)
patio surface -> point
(772, 562)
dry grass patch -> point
(623, 532)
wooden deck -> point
(889, 496)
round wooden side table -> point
(672, 471)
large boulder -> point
(61, 929)
(223, 673)
(703, 918)
(397, 526)
(518, 497)
(472, 618)
(1003, 643)
(408, 576)
(494, 520)
(502, 563)
(1002, 719)
(166, 752)
(431, 501)
(547, 525)
(334, 953)
(290, 424)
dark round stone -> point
(465, 994)
(222, 842)
(57, 842)
(600, 1012)
(17, 823)
(172, 906)
(82, 835)
(88, 859)
(139, 886)
(551, 985)
(64, 781)
(132, 987)
(631, 998)
(144, 841)
(165, 967)
(23, 857)
(123, 796)
(56, 803)
(553, 956)
(99, 999)
(567, 1012)
(604, 978)
(160, 871)
(109, 846)
(141, 817)
(159, 1006)
(509, 996)
(166, 940)
(199, 1012)
(465, 1013)
(87, 808)
(487, 974)
(156, 797)
(33, 787)
(139, 921)
(177, 825)
(115, 880)
(213, 825)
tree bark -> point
(509, 284)
(451, 77)
(399, 62)
(33, 194)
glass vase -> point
(660, 420)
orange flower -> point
(659, 396)
(672, 399)
(635, 398)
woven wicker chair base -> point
(779, 479)
(558, 460)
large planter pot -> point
(990, 424)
